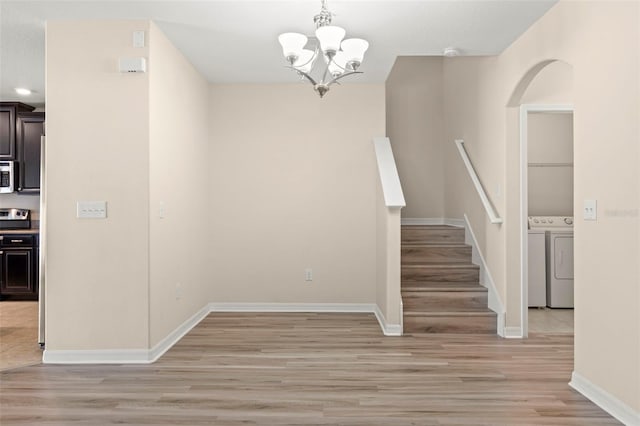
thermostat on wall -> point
(132, 65)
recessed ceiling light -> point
(22, 91)
(450, 52)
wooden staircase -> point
(441, 291)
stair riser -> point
(444, 301)
(439, 255)
(451, 324)
(439, 274)
(432, 236)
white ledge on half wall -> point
(391, 187)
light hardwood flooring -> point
(312, 369)
(19, 334)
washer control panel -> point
(550, 222)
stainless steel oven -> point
(7, 176)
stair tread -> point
(466, 312)
(432, 227)
(445, 286)
(444, 289)
(441, 265)
(436, 244)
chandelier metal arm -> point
(343, 75)
(305, 75)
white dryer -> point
(559, 258)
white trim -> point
(494, 217)
(603, 399)
(172, 338)
(525, 109)
(294, 307)
(486, 279)
(148, 356)
(125, 356)
(387, 329)
(432, 221)
(103, 356)
(513, 333)
(501, 324)
(391, 187)
(458, 223)
(422, 221)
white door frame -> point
(525, 109)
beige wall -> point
(599, 40)
(415, 126)
(469, 93)
(97, 149)
(179, 180)
(550, 158)
(293, 186)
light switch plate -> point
(138, 39)
(590, 210)
(91, 210)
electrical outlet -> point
(178, 291)
(308, 274)
(590, 211)
(162, 210)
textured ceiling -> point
(236, 41)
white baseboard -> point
(105, 356)
(147, 356)
(293, 307)
(605, 400)
(495, 303)
(500, 329)
(422, 221)
(167, 343)
(512, 333)
(458, 223)
(432, 221)
(125, 356)
(387, 329)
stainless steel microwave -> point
(7, 176)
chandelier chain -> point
(324, 17)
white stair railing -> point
(491, 211)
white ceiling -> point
(235, 41)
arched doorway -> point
(545, 89)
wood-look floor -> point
(312, 369)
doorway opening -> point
(546, 205)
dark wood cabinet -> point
(8, 115)
(29, 131)
(18, 267)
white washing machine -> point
(559, 258)
(537, 269)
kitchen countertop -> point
(32, 231)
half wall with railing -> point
(390, 200)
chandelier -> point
(340, 58)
